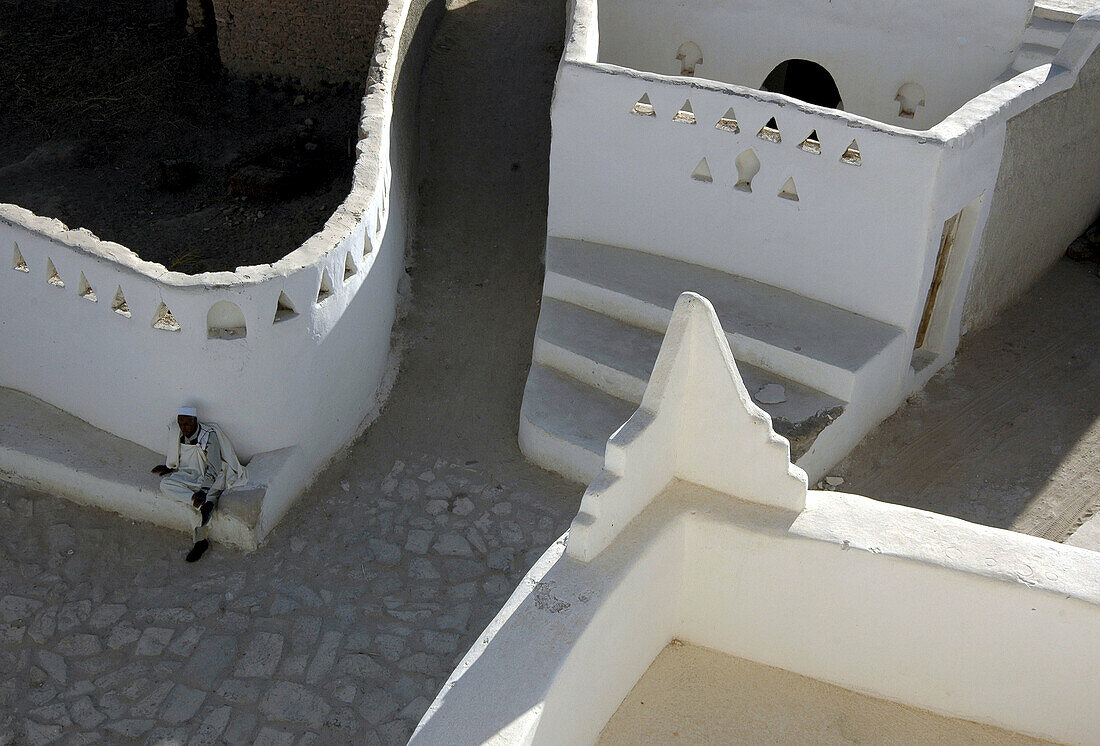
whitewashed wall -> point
(954, 54)
(308, 380)
(862, 238)
(1048, 187)
(626, 180)
(933, 612)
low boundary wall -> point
(290, 353)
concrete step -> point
(1047, 33)
(44, 448)
(589, 375)
(1033, 55)
(792, 336)
(617, 358)
(564, 424)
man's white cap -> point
(188, 412)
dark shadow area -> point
(1008, 434)
(805, 80)
(115, 118)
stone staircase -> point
(1042, 39)
(603, 316)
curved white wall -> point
(953, 53)
(306, 380)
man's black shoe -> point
(198, 550)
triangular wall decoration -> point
(325, 291)
(644, 108)
(852, 156)
(685, 115)
(812, 143)
(702, 172)
(770, 131)
(788, 190)
(18, 263)
(85, 291)
(164, 320)
(119, 305)
(284, 310)
(52, 275)
(728, 122)
(349, 267)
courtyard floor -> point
(344, 625)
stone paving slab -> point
(340, 631)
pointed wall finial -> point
(696, 423)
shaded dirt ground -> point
(1008, 434)
(94, 96)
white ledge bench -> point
(46, 449)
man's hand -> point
(161, 470)
(198, 498)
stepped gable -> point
(696, 423)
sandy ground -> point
(693, 695)
(1008, 434)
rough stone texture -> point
(308, 40)
(1024, 238)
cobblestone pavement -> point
(340, 630)
(344, 625)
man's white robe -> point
(194, 470)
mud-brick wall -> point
(308, 40)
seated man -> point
(200, 464)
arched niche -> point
(225, 320)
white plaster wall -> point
(933, 612)
(910, 606)
(857, 238)
(930, 611)
(306, 381)
(1048, 186)
(954, 53)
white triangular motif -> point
(84, 290)
(349, 267)
(118, 305)
(697, 423)
(852, 156)
(18, 263)
(770, 132)
(644, 108)
(702, 172)
(284, 309)
(685, 115)
(728, 122)
(164, 320)
(325, 291)
(812, 143)
(52, 275)
(788, 190)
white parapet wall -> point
(861, 237)
(952, 56)
(283, 355)
(664, 183)
(708, 536)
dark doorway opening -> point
(807, 81)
